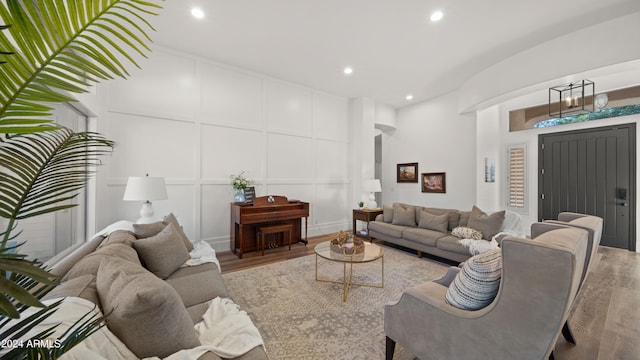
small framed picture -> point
(407, 173)
(249, 194)
(434, 182)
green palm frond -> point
(64, 46)
(39, 173)
(42, 170)
(2, 52)
(76, 333)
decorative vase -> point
(238, 196)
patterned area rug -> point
(301, 318)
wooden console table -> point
(365, 215)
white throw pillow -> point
(466, 233)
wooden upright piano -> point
(265, 210)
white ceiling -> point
(392, 45)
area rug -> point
(301, 318)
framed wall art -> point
(407, 173)
(434, 182)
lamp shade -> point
(145, 189)
(372, 185)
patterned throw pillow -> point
(466, 233)
(477, 283)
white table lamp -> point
(372, 186)
(145, 189)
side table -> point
(365, 215)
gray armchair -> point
(593, 225)
(539, 280)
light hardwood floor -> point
(605, 319)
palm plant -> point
(64, 46)
(50, 49)
(4, 27)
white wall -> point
(196, 122)
(596, 47)
(439, 139)
(496, 118)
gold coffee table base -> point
(347, 260)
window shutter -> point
(516, 183)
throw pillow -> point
(466, 233)
(464, 218)
(143, 311)
(488, 225)
(454, 216)
(172, 219)
(477, 283)
(147, 230)
(163, 253)
(404, 215)
(434, 222)
(387, 213)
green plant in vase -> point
(239, 183)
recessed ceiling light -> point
(197, 13)
(348, 70)
(409, 97)
(436, 16)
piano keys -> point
(265, 210)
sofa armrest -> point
(569, 216)
(447, 279)
(540, 228)
(379, 217)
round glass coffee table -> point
(372, 252)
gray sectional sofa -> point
(151, 305)
(428, 230)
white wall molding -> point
(223, 120)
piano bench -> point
(262, 231)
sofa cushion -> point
(143, 311)
(451, 243)
(404, 215)
(196, 311)
(209, 280)
(83, 286)
(434, 222)
(387, 213)
(422, 236)
(477, 283)
(488, 225)
(163, 253)
(466, 233)
(147, 230)
(89, 264)
(386, 229)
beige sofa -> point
(428, 230)
(151, 302)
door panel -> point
(589, 171)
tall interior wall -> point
(196, 122)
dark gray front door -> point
(591, 172)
